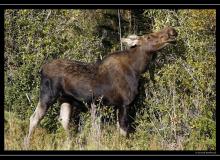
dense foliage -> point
(176, 108)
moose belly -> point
(80, 90)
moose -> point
(115, 78)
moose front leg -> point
(123, 120)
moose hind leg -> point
(123, 120)
(65, 116)
(35, 118)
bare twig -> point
(119, 23)
(29, 99)
(174, 112)
(163, 140)
(48, 15)
(96, 129)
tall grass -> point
(94, 135)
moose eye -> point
(162, 37)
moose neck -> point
(140, 58)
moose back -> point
(115, 78)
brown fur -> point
(115, 78)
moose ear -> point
(131, 40)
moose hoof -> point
(123, 132)
(26, 143)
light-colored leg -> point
(123, 121)
(65, 115)
(35, 118)
(121, 130)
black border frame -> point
(57, 154)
